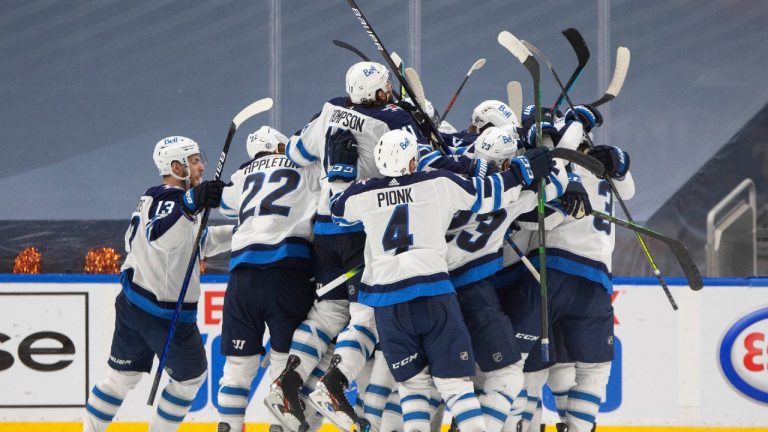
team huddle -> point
(437, 246)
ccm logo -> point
(31, 356)
(404, 361)
(526, 337)
(744, 355)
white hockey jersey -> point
(475, 241)
(367, 124)
(274, 201)
(583, 247)
(159, 243)
(406, 219)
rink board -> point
(704, 367)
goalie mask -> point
(364, 79)
(265, 139)
(495, 145)
(394, 153)
(174, 148)
(493, 113)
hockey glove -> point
(585, 114)
(547, 130)
(528, 119)
(205, 195)
(343, 156)
(614, 159)
(534, 164)
(575, 200)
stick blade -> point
(582, 159)
(251, 110)
(396, 59)
(579, 45)
(415, 82)
(515, 97)
(514, 46)
(620, 73)
(477, 65)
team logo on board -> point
(743, 355)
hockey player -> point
(159, 241)
(579, 277)
(474, 255)
(358, 120)
(270, 270)
(405, 216)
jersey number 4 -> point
(396, 235)
(268, 207)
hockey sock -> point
(356, 342)
(499, 388)
(534, 381)
(436, 410)
(459, 396)
(562, 377)
(175, 401)
(584, 398)
(325, 320)
(515, 414)
(315, 418)
(106, 397)
(414, 399)
(235, 386)
(378, 390)
(392, 419)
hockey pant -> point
(107, 396)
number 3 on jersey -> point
(396, 235)
(604, 189)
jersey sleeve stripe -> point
(497, 191)
(478, 195)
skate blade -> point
(273, 402)
(322, 402)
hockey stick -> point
(619, 75)
(251, 110)
(523, 258)
(345, 45)
(687, 264)
(515, 98)
(582, 54)
(475, 66)
(377, 42)
(513, 45)
(400, 66)
(615, 191)
(325, 289)
(582, 159)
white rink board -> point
(669, 362)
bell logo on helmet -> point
(171, 140)
(503, 109)
(405, 143)
(506, 138)
(370, 71)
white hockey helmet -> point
(394, 152)
(265, 139)
(364, 79)
(174, 148)
(493, 112)
(495, 145)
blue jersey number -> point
(396, 234)
(604, 189)
(268, 207)
(131, 234)
(489, 223)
